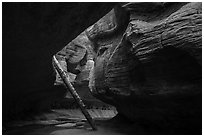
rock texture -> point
(76, 58)
(32, 34)
(148, 64)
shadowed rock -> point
(151, 68)
(32, 34)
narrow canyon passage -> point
(136, 66)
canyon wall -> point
(148, 64)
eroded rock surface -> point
(148, 63)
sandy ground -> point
(72, 122)
(102, 129)
(68, 122)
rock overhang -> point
(149, 61)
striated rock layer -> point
(148, 64)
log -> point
(73, 92)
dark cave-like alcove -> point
(32, 34)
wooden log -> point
(73, 92)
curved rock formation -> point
(151, 68)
